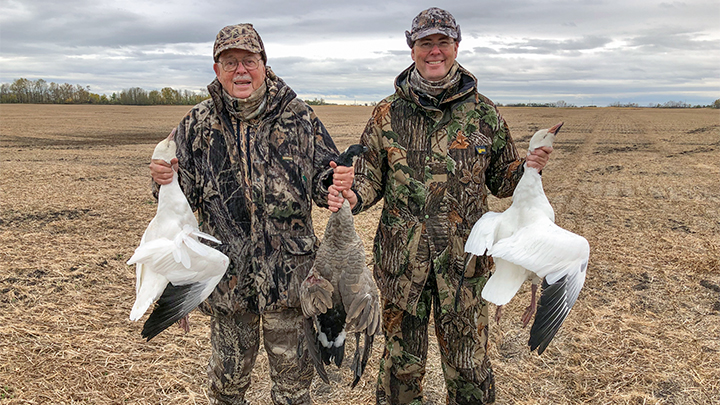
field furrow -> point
(642, 185)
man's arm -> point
(506, 166)
(162, 172)
(370, 168)
(325, 152)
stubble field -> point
(642, 185)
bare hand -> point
(539, 157)
(336, 198)
(343, 176)
(162, 171)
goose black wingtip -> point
(170, 308)
(358, 364)
(313, 345)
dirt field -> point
(642, 185)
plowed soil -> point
(642, 185)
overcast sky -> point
(580, 51)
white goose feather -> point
(525, 243)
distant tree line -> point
(41, 92)
(321, 101)
(317, 101)
(669, 104)
(682, 104)
(532, 105)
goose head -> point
(165, 150)
(544, 137)
(347, 158)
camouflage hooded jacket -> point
(253, 184)
(433, 162)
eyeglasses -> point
(443, 45)
(230, 65)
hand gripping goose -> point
(339, 294)
(525, 243)
(172, 266)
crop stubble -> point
(642, 185)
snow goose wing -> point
(556, 255)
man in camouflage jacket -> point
(252, 159)
(435, 147)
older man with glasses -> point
(251, 160)
(435, 146)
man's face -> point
(241, 81)
(434, 55)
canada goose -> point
(339, 294)
(525, 243)
(172, 267)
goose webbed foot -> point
(184, 323)
(532, 308)
(498, 313)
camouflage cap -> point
(432, 21)
(239, 36)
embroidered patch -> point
(481, 150)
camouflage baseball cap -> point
(239, 36)
(432, 21)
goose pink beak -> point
(556, 128)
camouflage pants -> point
(463, 340)
(235, 342)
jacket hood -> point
(467, 85)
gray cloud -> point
(665, 40)
(585, 51)
(569, 47)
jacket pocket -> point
(396, 247)
(298, 256)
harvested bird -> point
(526, 244)
(172, 267)
(339, 295)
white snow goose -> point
(526, 244)
(172, 266)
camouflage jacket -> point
(253, 184)
(433, 163)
